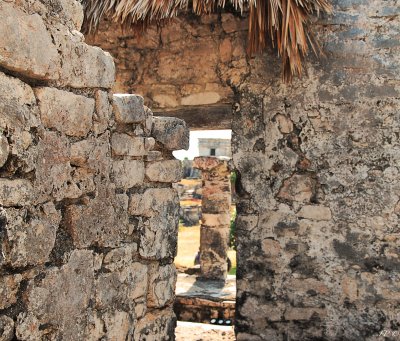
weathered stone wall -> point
(318, 225)
(318, 215)
(188, 61)
(88, 218)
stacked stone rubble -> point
(88, 217)
(215, 218)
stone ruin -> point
(215, 217)
(88, 217)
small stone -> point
(215, 219)
(161, 285)
(271, 248)
(17, 192)
(201, 98)
(128, 108)
(298, 187)
(4, 150)
(126, 145)
(68, 113)
(285, 124)
(171, 132)
(317, 212)
(9, 286)
(6, 328)
(164, 171)
(103, 112)
(117, 324)
(128, 173)
(26, 45)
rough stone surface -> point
(171, 132)
(128, 108)
(215, 219)
(78, 259)
(68, 113)
(164, 171)
(318, 207)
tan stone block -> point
(255, 310)
(17, 192)
(128, 108)
(128, 173)
(118, 324)
(299, 187)
(225, 50)
(155, 326)
(271, 248)
(18, 109)
(9, 286)
(73, 10)
(221, 219)
(68, 113)
(82, 66)
(164, 171)
(26, 46)
(201, 98)
(30, 243)
(171, 132)
(301, 314)
(165, 101)
(285, 123)
(126, 145)
(4, 150)
(315, 212)
(6, 328)
(101, 118)
(162, 283)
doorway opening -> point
(206, 260)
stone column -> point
(216, 203)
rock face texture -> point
(317, 162)
(215, 218)
(79, 260)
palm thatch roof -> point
(282, 24)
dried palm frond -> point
(281, 23)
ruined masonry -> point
(88, 217)
(215, 219)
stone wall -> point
(317, 161)
(88, 217)
(188, 61)
(318, 215)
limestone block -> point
(30, 243)
(171, 132)
(117, 325)
(128, 108)
(26, 46)
(285, 124)
(317, 212)
(164, 171)
(201, 98)
(17, 192)
(93, 154)
(6, 328)
(4, 150)
(152, 201)
(73, 11)
(126, 145)
(9, 286)
(120, 258)
(68, 113)
(299, 314)
(155, 327)
(121, 287)
(214, 220)
(102, 221)
(165, 101)
(62, 295)
(83, 66)
(17, 104)
(101, 118)
(158, 235)
(162, 283)
(128, 173)
(299, 187)
(271, 248)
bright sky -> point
(194, 142)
